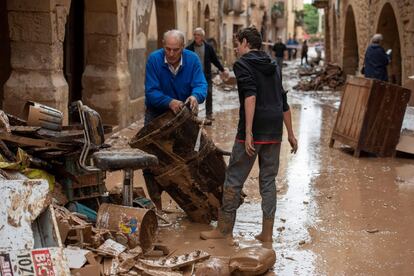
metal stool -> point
(127, 160)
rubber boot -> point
(154, 189)
(267, 230)
(224, 229)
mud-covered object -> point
(252, 261)
(194, 179)
(213, 267)
(137, 224)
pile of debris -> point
(47, 231)
(317, 78)
(120, 243)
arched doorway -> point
(73, 51)
(166, 17)
(350, 57)
(207, 21)
(198, 14)
(387, 26)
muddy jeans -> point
(153, 187)
(238, 170)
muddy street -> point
(336, 214)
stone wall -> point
(37, 30)
(118, 38)
(372, 17)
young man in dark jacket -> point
(376, 60)
(263, 109)
(207, 56)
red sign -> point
(42, 262)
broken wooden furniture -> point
(193, 178)
(370, 116)
(127, 160)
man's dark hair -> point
(252, 36)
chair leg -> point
(127, 187)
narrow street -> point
(336, 214)
(78, 79)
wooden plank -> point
(25, 141)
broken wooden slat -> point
(25, 141)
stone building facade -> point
(238, 14)
(272, 17)
(350, 24)
(58, 51)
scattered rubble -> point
(316, 78)
(46, 228)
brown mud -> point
(336, 214)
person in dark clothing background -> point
(304, 53)
(207, 55)
(279, 49)
(263, 109)
(376, 60)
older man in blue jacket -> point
(174, 76)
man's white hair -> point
(377, 38)
(199, 30)
(174, 33)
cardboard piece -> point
(406, 143)
(112, 247)
(93, 268)
(76, 256)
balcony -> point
(236, 6)
(320, 4)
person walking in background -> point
(304, 52)
(279, 49)
(207, 55)
(263, 109)
(295, 47)
(376, 60)
(290, 44)
(173, 76)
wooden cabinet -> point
(370, 116)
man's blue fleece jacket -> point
(161, 86)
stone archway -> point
(387, 26)
(106, 79)
(73, 50)
(198, 14)
(207, 21)
(37, 31)
(166, 17)
(350, 56)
